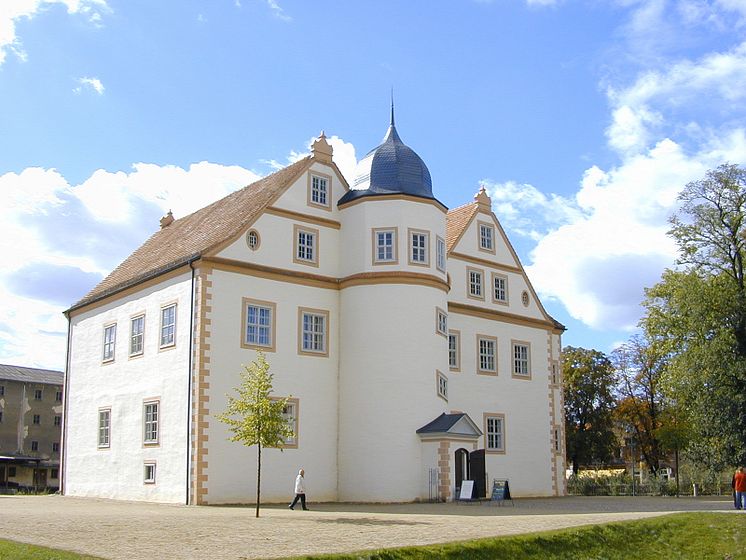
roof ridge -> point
(192, 235)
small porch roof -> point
(458, 424)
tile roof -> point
(194, 235)
(456, 222)
(31, 375)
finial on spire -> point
(321, 149)
(483, 199)
(392, 105)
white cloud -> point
(542, 2)
(13, 10)
(343, 155)
(609, 242)
(58, 239)
(527, 211)
(89, 83)
(277, 11)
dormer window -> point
(318, 190)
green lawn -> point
(695, 536)
(10, 550)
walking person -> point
(300, 491)
(739, 483)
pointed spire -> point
(392, 106)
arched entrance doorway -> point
(462, 468)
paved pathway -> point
(138, 531)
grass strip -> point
(683, 536)
(11, 550)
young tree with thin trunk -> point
(256, 418)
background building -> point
(30, 427)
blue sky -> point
(583, 118)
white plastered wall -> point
(123, 385)
(527, 460)
(390, 353)
(231, 468)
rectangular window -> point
(34, 446)
(557, 440)
(494, 433)
(38, 394)
(486, 237)
(441, 322)
(290, 414)
(11, 472)
(487, 353)
(58, 420)
(137, 328)
(499, 288)
(55, 447)
(418, 241)
(259, 324)
(306, 245)
(521, 359)
(475, 283)
(37, 419)
(454, 350)
(1, 416)
(440, 254)
(104, 427)
(149, 473)
(168, 326)
(384, 246)
(442, 387)
(110, 340)
(2, 390)
(58, 396)
(150, 422)
(319, 190)
(314, 325)
(54, 474)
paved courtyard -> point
(140, 531)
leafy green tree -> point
(254, 417)
(588, 390)
(699, 311)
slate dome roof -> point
(391, 168)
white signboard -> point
(467, 487)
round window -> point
(252, 239)
(524, 298)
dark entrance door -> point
(477, 474)
(461, 460)
(40, 479)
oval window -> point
(252, 239)
(524, 298)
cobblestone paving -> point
(140, 531)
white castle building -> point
(408, 337)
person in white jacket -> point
(300, 491)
